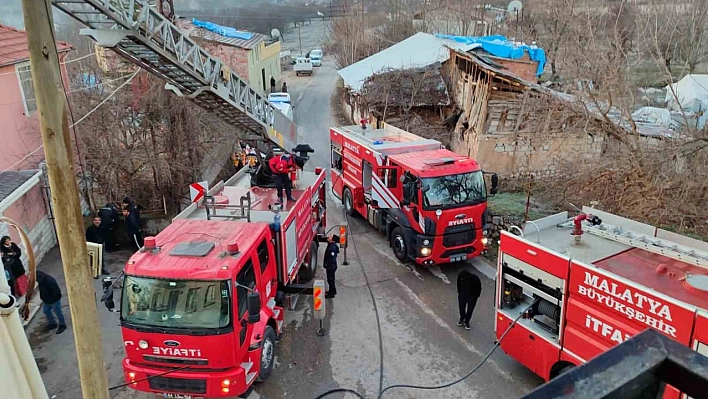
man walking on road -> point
(469, 287)
(50, 294)
(272, 84)
(330, 263)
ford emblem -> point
(171, 343)
(460, 216)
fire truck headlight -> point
(143, 344)
(426, 242)
(425, 251)
(225, 390)
(485, 241)
(131, 375)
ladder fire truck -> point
(596, 280)
(202, 302)
(429, 202)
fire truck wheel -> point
(267, 354)
(348, 201)
(398, 243)
(309, 268)
(564, 369)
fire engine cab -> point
(430, 202)
(202, 302)
(594, 281)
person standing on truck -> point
(284, 89)
(281, 166)
(330, 263)
(50, 294)
(469, 288)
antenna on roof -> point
(275, 34)
(514, 7)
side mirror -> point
(254, 307)
(495, 184)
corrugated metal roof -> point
(419, 50)
(14, 48)
(195, 32)
(11, 180)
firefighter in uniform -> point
(281, 166)
(330, 262)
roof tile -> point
(14, 48)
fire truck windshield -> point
(176, 303)
(454, 190)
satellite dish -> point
(319, 14)
(514, 7)
(275, 34)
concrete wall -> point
(265, 58)
(29, 211)
(248, 64)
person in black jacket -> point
(109, 215)
(133, 229)
(94, 234)
(469, 288)
(50, 294)
(12, 261)
(330, 263)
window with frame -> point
(336, 158)
(263, 255)
(246, 277)
(192, 296)
(24, 76)
(389, 177)
(210, 297)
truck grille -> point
(161, 359)
(177, 385)
(459, 235)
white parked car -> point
(303, 66)
(282, 102)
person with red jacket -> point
(281, 166)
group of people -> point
(101, 230)
(49, 291)
(283, 89)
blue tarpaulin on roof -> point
(500, 46)
(222, 30)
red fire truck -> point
(202, 302)
(430, 202)
(595, 281)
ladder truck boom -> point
(139, 33)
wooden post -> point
(52, 110)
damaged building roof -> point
(419, 50)
(614, 114)
(423, 86)
(247, 40)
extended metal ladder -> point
(140, 34)
(656, 245)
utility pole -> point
(300, 37)
(52, 109)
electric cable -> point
(373, 301)
(480, 364)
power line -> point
(107, 98)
